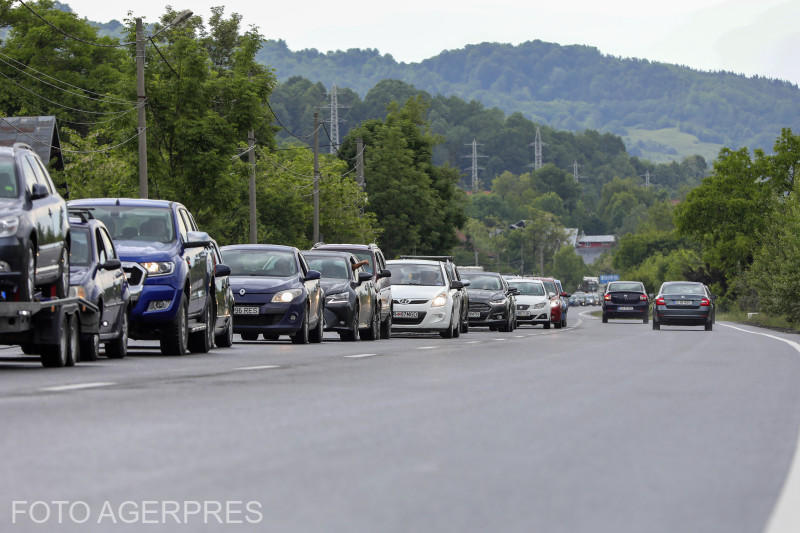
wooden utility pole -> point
(360, 162)
(316, 177)
(251, 158)
(140, 100)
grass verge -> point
(763, 320)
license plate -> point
(523, 313)
(245, 310)
(625, 308)
(683, 302)
(473, 314)
(405, 314)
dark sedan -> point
(684, 303)
(275, 293)
(625, 299)
(351, 301)
(491, 301)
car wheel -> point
(546, 325)
(301, 337)
(62, 283)
(645, 319)
(386, 326)
(457, 328)
(90, 347)
(656, 325)
(250, 336)
(448, 333)
(709, 325)
(55, 355)
(373, 333)
(28, 286)
(225, 339)
(564, 321)
(351, 334)
(316, 335)
(465, 325)
(557, 325)
(203, 341)
(176, 336)
(605, 318)
(118, 348)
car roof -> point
(130, 202)
(414, 262)
(262, 247)
(494, 274)
(328, 253)
(323, 246)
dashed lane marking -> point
(78, 386)
(360, 355)
(425, 347)
(259, 367)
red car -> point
(558, 314)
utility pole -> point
(647, 179)
(334, 121)
(251, 158)
(537, 150)
(575, 171)
(316, 177)
(474, 168)
(360, 162)
(140, 100)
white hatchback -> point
(533, 304)
(423, 298)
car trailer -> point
(50, 328)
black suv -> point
(380, 277)
(34, 228)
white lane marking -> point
(259, 367)
(426, 347)
(78, 386)
(360, 355)
(785, 517)
(472, 342)
(498, 339)
(519, 336)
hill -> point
(663, 112)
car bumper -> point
(12, 255)
(534, 316)
(272, 318)
(146, 322)
(626, 310)
(682, 317)
(496, 316)
(338, 316)
(428, 319)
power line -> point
(47, 142)
(287, 130)
(65, 34)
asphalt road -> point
(595, 428)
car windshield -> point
(483, 281)
(528, 288)
(625, 287)
(8, 178)
(80, 252)
(550, 286)
(134, 223)
(273, 263)
(417, 274)
(683, 288)
(329, 267)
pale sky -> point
(744, 36)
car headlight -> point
(439, 300)
(284, 297)
(8, 226)
(539, 305)
(338, 298)
(556, 303)
(158, 268)
(499, 301)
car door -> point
(383, 286)
(116, 280)
(312, 287)
(105, 285)
(363, 293)
(42, 219)
(455, 294)
(221, 287)
(199, 262)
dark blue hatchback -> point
(275, 293)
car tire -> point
(386, 326)
(546, 325)
(225, 339)
(465, 326)
(448, 333)
(250, 336)
(203, 341)
(709, 325)
(176, 337)
(350, 334)
(605, 318)
(645, 319)
(457, 328)
(56, 355)
(301, 337)
(656, 325)
(557, 325)
(62, 283)
(564, 322)
(316, 334)
(90, 347)
(373, 332)
(118, 348)
(28, 288)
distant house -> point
(40, 133)
(591, 247)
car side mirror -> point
(455, 284)
(385, 273)
(39, 191)
(364, 276)
(312, 275)
(65, 187)
(466, 282)
(221, 270)
(197, 239)
(564, 295)
(513, 290)
(112, 264)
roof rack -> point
(429, 257)
(83, 213)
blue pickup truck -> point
(170, 269)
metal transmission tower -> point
(647, 179)
(575, 173)
(537, 150)
(474, 168)
(334, 121)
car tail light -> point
(607, 297)
(643, 297)
(704, 302)
(660, 301)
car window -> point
(41, 177)
(80, 252)
(303, 264)
(135, 223)
(625, 287)
(550, 286)
(30, 175)
(102, 255)
(274, 263)
(683, 288)
(188, 220)
(528, 288)
(330, 267)
(417, 274)
(107, 244)
(9, 185)
(484, 282)
(365, 256)
(183, 227)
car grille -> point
(409, 321)
(409, 302)
(257, 320)
(478, 306)
(134, 273)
